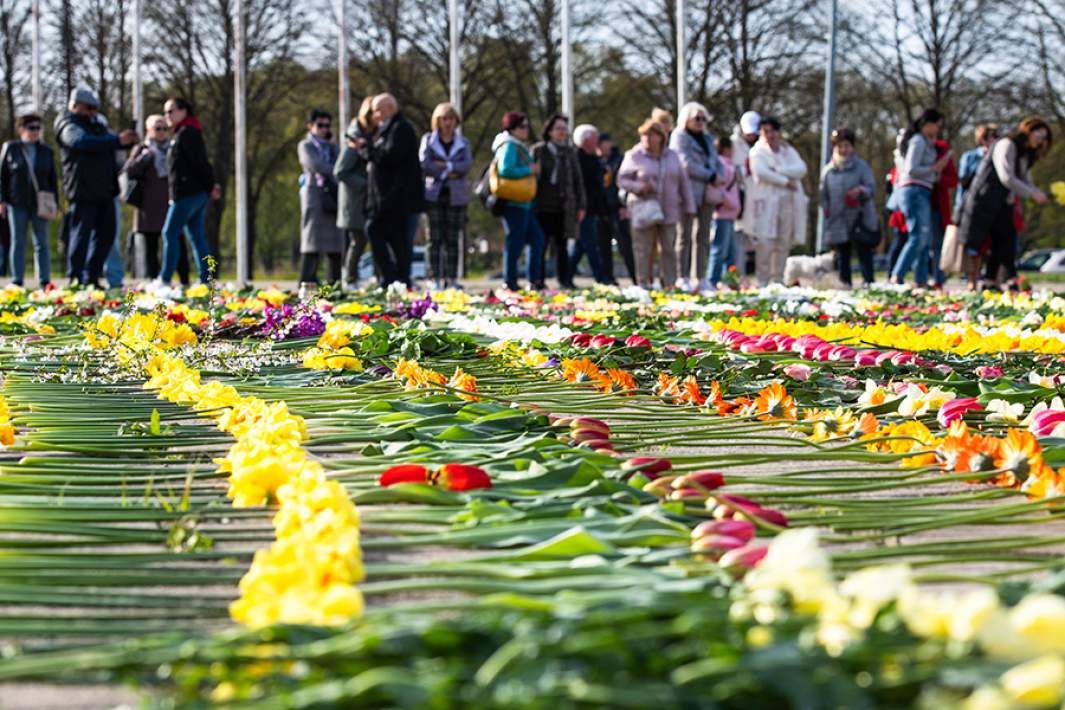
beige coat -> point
(768, 193)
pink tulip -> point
(841, 352)
(902, 358)
(743, 558)
(1044, 423)
(988, 372)
(798, 372)
(885, 356)
(716, 544)
(955, 409)
(866, 358)
(637, 341)
(751, 346)
(683, 493)
(740, 529)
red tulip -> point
(597, 444)
(741, 529)
(703, 479)
(404, 473)
(768, 515)
(647, 465)
(461, 477)
(637, 341)
(603, 341)
(580, 340)
(584, 434)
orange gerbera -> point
(623, 380)
(689, 392)
(667, 386)
(466, 382)
(1020, 454)
(774, 402)
(867, 426)
(963, 452)
(580, 370)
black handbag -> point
(133, 192)
(327, 193)
(860, 234)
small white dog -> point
(803, 270)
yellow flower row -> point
(7, 429)
(964, 340)
(308, 575)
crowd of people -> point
(167, 178)
(683, 208)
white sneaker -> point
(704, 286)
(681, 284)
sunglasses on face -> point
(33, 128)
(323, 125)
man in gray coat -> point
(319, 234)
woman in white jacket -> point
(775, 200)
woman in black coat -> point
(191, 180)
(18, 196)
(1003, 179)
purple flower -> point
(287, 322)
(417, 308)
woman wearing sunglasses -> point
(19, 185)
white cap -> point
(750, 121)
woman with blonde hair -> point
(659, 197)
(350, 172)
(694, 145)
(446, 158)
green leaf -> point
(575, 542)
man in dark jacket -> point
(615, 226)
(592, 169)
(395, 190)
(90, 181)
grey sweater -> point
(915, 167)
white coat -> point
(768, 193)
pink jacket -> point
(665, 173)
(730, 190)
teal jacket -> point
(513, 161)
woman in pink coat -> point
(659, 196)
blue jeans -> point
(18, 219)
(191, 213)
(113, 269)
(588, 244)
(916, 202)
(92, 230)
(722, 250)
(521, 230)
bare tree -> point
(12, 26)
(193, 56)
(944, 53)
